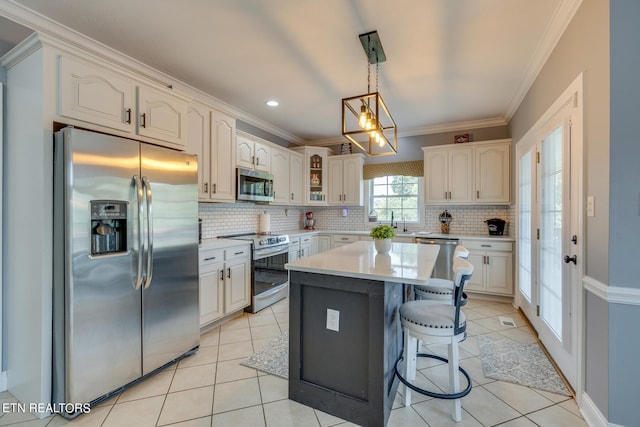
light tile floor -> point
(211, 388)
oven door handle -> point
(263, 253)
(270, 292)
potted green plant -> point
(382, 235)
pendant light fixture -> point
(366, 121)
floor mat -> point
(519, 363)
(273, 358)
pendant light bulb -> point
(363, 117)
(368, 123)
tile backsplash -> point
(234, 218)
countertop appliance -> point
(496, 226)
(125, 265)
(269, 279)
(309, 222)
(445, 219)
(444, 262)
(254, 186)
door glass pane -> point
(551, 231)
(524, 226)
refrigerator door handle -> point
(139, 196)
(148, 193)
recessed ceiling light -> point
(272, 103)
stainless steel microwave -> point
(254, 186)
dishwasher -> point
(444, 262)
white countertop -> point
(406, 263)
(219, 243)
(417, 234)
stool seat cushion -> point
(436, 286)
(429, 317)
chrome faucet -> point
(392, 225)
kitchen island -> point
(345, 335)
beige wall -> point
(584, 47)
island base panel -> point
(346, 373)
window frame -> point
(411, 224)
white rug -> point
(519, 363)
(273, 358)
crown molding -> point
(554, 31)
(426, 130)
(62, 37)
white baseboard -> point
(591, 413)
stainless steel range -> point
(269, 279)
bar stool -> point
(435, 322)
(437, 288)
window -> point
(398, 194)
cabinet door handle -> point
(488, 257)
(449, 195)
(143, 118)
(229, 272)
(215, 188)
(291, 196)
(477, 194)
(128, 115)
(445, 195)
(210, 258)
(206, 187)
(239, 253)
(486, 246)
(257, 161)
(253, 160)
(222, 274)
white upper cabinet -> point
(475, 173)
(198, 144)
(92, 93)
(95, 95)
(251, 154)
(223, 137)
(493, 173)
(295, 178)
(345, 180)
(161, 115)
(315, 175)
(281, 175)
(448, 176)
(211, 136)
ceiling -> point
(451, 64)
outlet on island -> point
(333, 320)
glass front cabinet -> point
(315, 175)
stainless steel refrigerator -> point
(125, 262)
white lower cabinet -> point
(343, 239)
(492, 266)
(302, 246)
(324, 243)
(225, 285)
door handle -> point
(143, 120)
(206, 187)
(128, 114)
(568, 259)
(148, 193)
(229, 272)
(139, 197)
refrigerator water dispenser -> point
(108, 227)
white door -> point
(549, 239)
